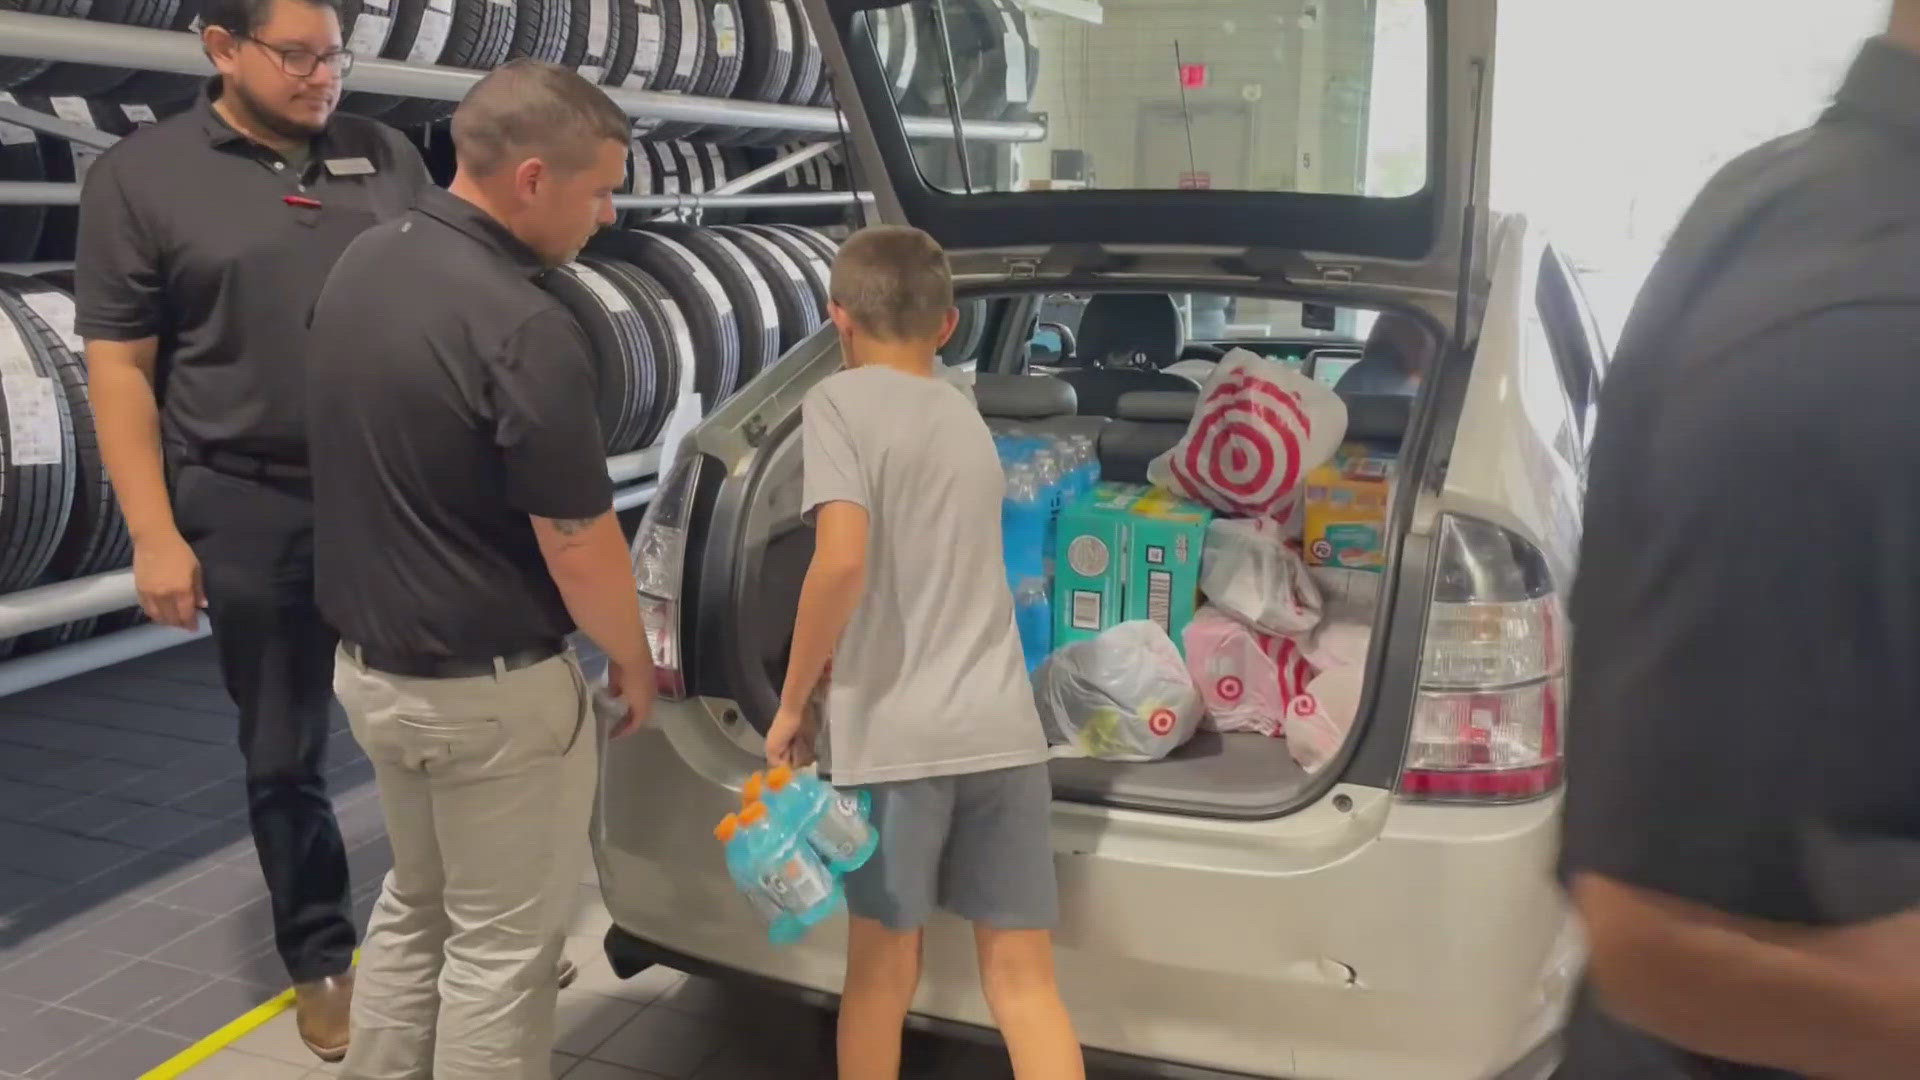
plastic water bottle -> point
(1033, 613)
(1023, 524)
(782, 925)
(1053, 497)
(784, 866)
(833, 821)
(1087, 453)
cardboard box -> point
(1127, 552)
(1347, 504)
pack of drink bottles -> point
(793, 839)
(1044, 474)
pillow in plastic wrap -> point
(1259, 429)
(1122, 696)
(1246, 678)
(1249, 571)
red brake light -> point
(659, 564)
(1487, 717)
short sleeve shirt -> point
(928, 677)
(197, 236)
(450, 399)
(1745, 699)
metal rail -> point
(48, 37)
(39, 193)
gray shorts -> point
(979, 846)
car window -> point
(1575, 348)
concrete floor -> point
(133, 921)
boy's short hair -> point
(895, 282)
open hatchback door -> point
(1315, 142)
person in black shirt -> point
(203, 241)
(465, 528)
(1743, 814)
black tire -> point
(720, 69)
(772, 55)
(16, 70)
(615, 331)
(367, 28)
(86, 80)
(729, 163)
(686, 41)
(22, 158)
(161, 90)
(542, 30)
(754, 308)
(791, 285)
(702, 299)
(819, 270)
(626, 29)
(405, 19)
(593, 30)
(96, 538)
(642, 63)
(478, 37)
(658, 169)
(809, 63)
(667, 346)
(813, 238)
(67, 162)
(36, 451)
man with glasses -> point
(203, 244)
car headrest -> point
(1130, 324)
(1162, 406)
(1023, 397)
(1378, 417)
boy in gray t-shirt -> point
(929, 708)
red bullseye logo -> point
(1229, 688)
(1304, 706)
(1243, 451)
(1161, 722)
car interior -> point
(1136, 411)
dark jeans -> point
(254, 539)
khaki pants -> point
(488, 787)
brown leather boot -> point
(322, 1009)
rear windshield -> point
(1313, 96)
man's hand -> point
(166, 573)
(636, 693)
(790, 739)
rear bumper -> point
(1428, 943)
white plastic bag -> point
(1246, 678)
(1259, 429)
(1248, 571)
(1122, 696)
(1318, 721)
(1346, 630)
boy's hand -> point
(790, 739)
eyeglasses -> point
(301, 62)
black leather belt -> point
(246, 466)
(449, 667)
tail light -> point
(1487, 717)
(659, 564)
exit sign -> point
(1193, 76)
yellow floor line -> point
(183, 1062)
(235, 1030)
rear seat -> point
(1038, 403)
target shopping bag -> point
(1259, 428)
(1122, 696)
(1247, 678)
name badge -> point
(350, 166)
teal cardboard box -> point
(1127, 552)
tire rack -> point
(74, 41)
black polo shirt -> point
(1745, 717)
(449, 397)
(194, 234)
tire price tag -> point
(646, 46)
(370, 32)
(599, 41)
(687, 64)
(782, 27)
(57, 310)
(13, 134)
(139, 114)
(74, 110)
(430, 41)
(33, 410)
(726, 35)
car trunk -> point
(767, 546)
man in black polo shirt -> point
(203, 242)
(1743, 815)
(465, 529)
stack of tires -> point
(58, 518)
